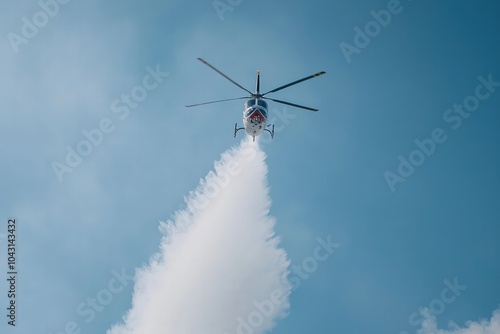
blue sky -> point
(327, 170)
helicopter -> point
(255, 110)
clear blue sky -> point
(327, 170)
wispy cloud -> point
(219, 261)
(492, 326)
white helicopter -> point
(255, 109)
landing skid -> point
(236, 129)
(271, 132)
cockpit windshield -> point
(249, 103)
(252, 102)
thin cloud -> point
(484, 326)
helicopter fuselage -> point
(255, 117)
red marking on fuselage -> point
(256, 114)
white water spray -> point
(219, 269)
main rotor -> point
(257, 94)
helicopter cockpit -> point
(252, 104)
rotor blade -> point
(199, 104)
(225, 76)
(292, 104)
(295, 82)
